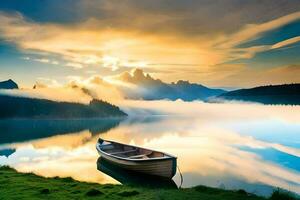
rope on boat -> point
(181, 177)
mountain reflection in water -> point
(26, 129)
(250, 147)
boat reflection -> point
(127, 177)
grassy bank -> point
(14, 185)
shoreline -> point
(16, 185)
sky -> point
(216, 43)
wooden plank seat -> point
(122, 152)
(140, 156)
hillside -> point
(22, 107)
(148, 88)
(288, 94)
(9, 84)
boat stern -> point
(174, 166)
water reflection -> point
(251, 147)
(127, 177)
(23, 130)
(7, 152)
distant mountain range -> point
(143, 86)
(22, 107)
(9, 84)
(148, 88)
(288, 94)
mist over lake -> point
(230, 145)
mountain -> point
(288, 94)
(9, 84)
(22, 107)
(148, 88)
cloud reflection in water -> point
(212, 143)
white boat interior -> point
(130, 152)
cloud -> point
(106, 43)
(244, 53)
(43, 91)
(26, 58)
(252, 31)
(189, 18)
(286, 42)
(113, 47)
(42, 60)
(47, 82)
(230, 112)
(54, 62)
(75, 65)
(90, 72)
(255, 77)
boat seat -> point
(122, 152)
(107, 147)
(141, 155)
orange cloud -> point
(92, 43)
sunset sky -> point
(216, 43)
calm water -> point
(232, 146)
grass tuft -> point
(5, 167)
(45, 191)
(128, 193)
(282, 195)
(93, 192)
(207, 190)
(68, 179)
(242, 192)
(108, 186)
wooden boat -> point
(137, 159)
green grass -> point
(14, 185)
(282, 195)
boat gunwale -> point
(168, 156)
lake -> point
(232, 146)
